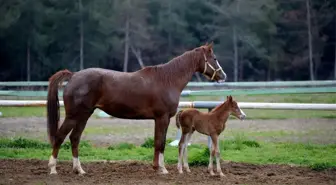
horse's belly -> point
(128, 112)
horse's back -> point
(83, 89)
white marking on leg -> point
(185, 155)
(161, 164)
(77, 166)
(210, 167)
(52, 165)
(179, 165)
(219, 169)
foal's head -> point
(209, 65)
(234, 108)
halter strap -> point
(208, 64)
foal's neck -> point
(179, 71)
(222, 112)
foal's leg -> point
(75, 139)
(181, 149)
(185, 153)
(219, 169)
(161, 127)
(212, 153)
(66, 127)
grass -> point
(251, 113)
(238, 149)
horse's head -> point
(210, 67)
(235, 109)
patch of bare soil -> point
(37, 172)
(105, 132)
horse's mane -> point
(180, 65)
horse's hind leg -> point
(75, 139)
(66, 127)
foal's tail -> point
(177, 117)
(53, 112)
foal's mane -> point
(220, 106)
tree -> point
(236, 20)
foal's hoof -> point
(221, 174)
(53, 173)
(163, 171)
(79, 171)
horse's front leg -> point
(161, 127)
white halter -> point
(215, 70)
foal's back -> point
(193, 119)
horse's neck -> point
(178, 72)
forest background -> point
(254, 40)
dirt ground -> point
(36, 172)
(104, 132)
(112, 131)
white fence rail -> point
(197, 104)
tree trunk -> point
(81, 35)
(311, 64)
(169, 29)
(269, 71)
(335, 64)
(137, 54)
(126, 45)
(28, 60)
(235, 51)
(199, 79)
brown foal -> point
(211, 124)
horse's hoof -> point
(221, 174)
(212, 173)
(53, 173)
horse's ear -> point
(210, 45)
(206, 44)
(230, 98)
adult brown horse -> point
(150, 93)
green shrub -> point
(200, 158)
(149, 143)
(122, 146)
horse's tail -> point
(177, 117)
(53, 112)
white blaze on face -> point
(242, 114)
(222, 71)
